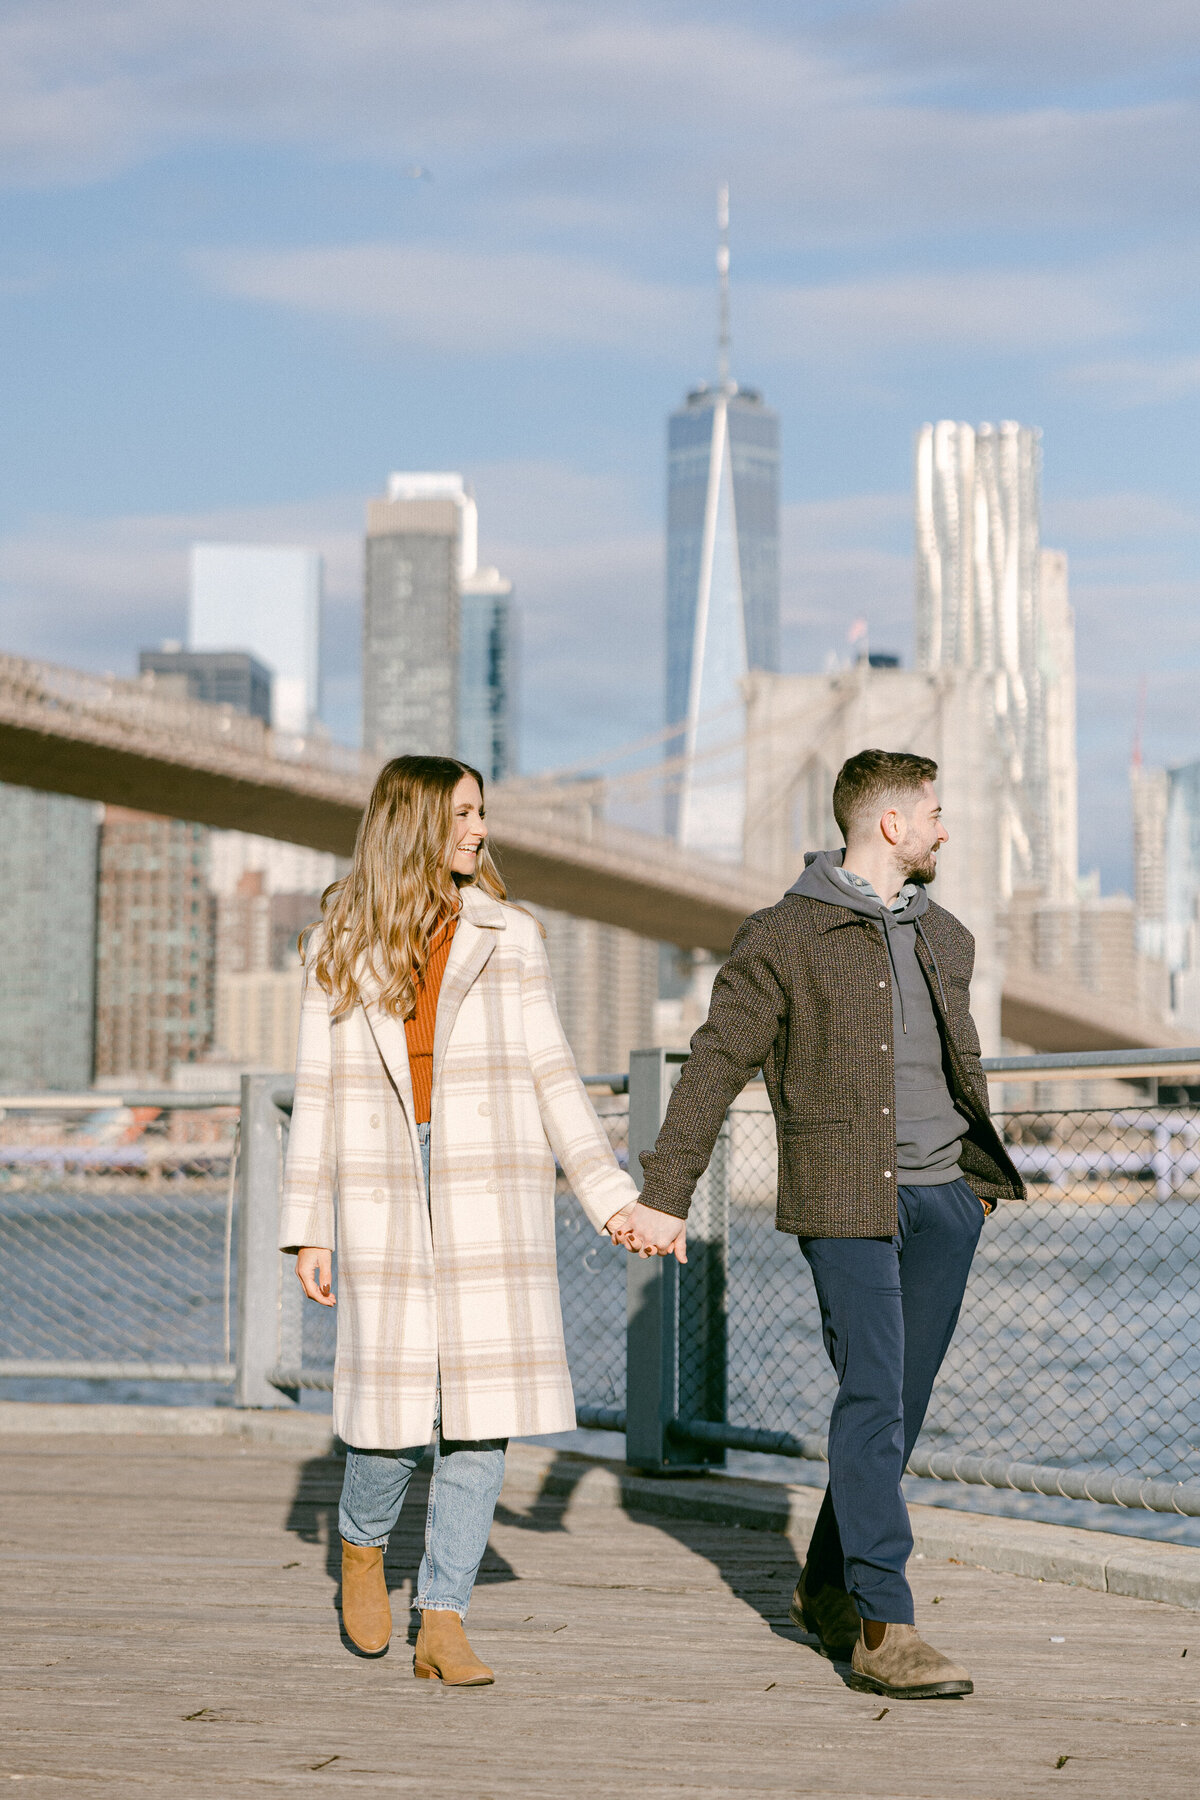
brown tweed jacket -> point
(806, 997)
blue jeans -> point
(888, 1311)
(463, 1491)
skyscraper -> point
(722, 586)
(1182, 869)
(487, 675)
(215, 677)
(266, 599)
(154, 946)
(1057, 657)
(48, 878)
(422, 542)
(1166, 840)
(981, 605)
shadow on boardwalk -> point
(758, 1568)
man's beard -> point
(922, 867)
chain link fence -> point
(591, 1279)
(117, 1227)
(1079, 1344)
(1079, 1341)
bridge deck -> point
(169, 1629)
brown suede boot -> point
(829, 1614)
(905, 1667)
(366, 1612)
(443, 1653)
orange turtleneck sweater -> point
(419, 1029)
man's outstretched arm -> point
(744, 1019)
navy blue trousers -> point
(888, 1311)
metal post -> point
(652, 1287)
(260, 1300)
(703, 1350)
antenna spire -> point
(723, 286)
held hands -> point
(314, 1272)
(648, 1232)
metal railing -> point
(117, 1220)
(138, 1233)
(1073, 1371)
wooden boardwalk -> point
(168, 1628)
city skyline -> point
(260, 313)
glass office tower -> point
(722, 601)
(487, 675)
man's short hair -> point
(869, 782)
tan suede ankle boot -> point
(905, 1667)
(366, 1611)
(443, 1653)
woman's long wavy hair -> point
(382, 916)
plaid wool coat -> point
(466, 1288)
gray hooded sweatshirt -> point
(929, 1127)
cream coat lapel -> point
(474, 940)
(392, 1045)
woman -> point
(434, 1088)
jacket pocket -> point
(807, 1127)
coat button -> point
(883, 984)
(883, 1046)
(887, 1174)
(374, 1121)
(886, 1111)
(377, 1194)
(484, 1109)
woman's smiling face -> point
(469, 827)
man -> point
(852, 996)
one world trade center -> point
(722, 589)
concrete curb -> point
(293, 1430)
(1093, 1559)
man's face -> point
(922, 837)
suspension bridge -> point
(122, 742)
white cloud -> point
(472, 303)
(1138, 380)
(1130, 518)
(984, 309)
(87, 89)
(1053, 44)
(466, 302)
(543, 115)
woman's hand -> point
(314, 1272)
(647, 1232)
(616, 1226)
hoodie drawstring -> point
(933, 959)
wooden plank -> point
(169, 1628)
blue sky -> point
(230, 302)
